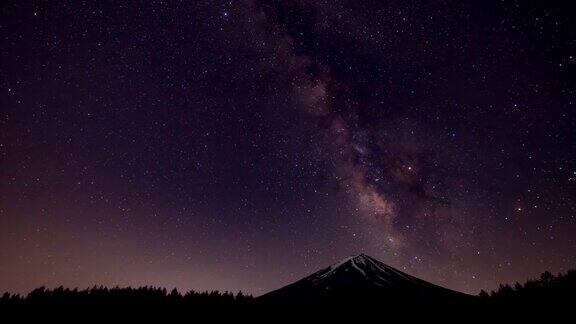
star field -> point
(244, 144)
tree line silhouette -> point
(547, 290)
(121, 297)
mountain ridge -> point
(360, 278)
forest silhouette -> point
(548, 290)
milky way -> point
(244, 144)
(387, 177)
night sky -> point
(245, 144)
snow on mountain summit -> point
(361, 268)
(359, 277)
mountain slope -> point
(361, 279)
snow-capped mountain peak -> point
(360, 276)
(361, 268)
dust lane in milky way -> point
(245, 144)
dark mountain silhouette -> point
(355, 284)
(362, 279)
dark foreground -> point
(548, 296)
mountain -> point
(362, 279)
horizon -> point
(339, 263)
(243, 145)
